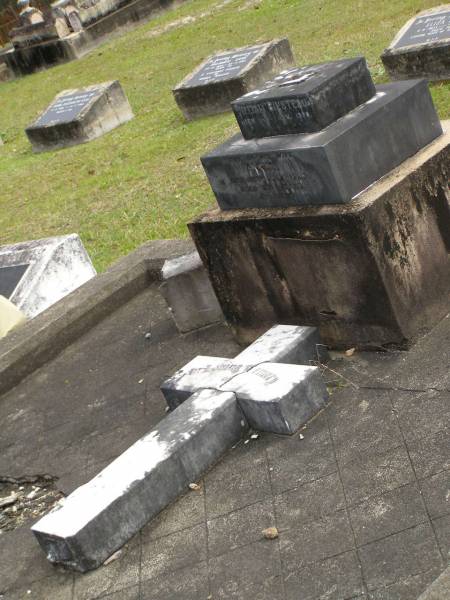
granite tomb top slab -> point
(304, 99)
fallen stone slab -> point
(80, 115)
(289, 344)
(201, 372)
(189, 293)
(279, 398)
(101, 516)
(422, 47)
(225, 76)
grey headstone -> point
(279, 398)
(201, 372)
(78, 116)
(189, 294)
(36, 274)
(331, 166)
(422, 47)
(99, 517)
(304, 99)
(288, 344)
(225, 76)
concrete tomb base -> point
(34, 275)
(189, 294)
(79, 116)
(99, 517)
(225, 76)
(373, 272)
(422, 47)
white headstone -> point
(36, 274)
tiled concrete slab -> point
(297, 480)
(399, 556)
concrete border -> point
(38, 341)
(439, 589)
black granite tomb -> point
(78, 116)
(222, 78)
(422, 47)
(305, 99)
(330, 166)
(10, 278)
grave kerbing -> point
(80, 115)
(226, 75)
(422, 47)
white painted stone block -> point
(201, 372)
(189, 294)
(10, 316)
(289, 344)
(36, 274)
(277, 397)
(99, 517)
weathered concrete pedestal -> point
(375, 271)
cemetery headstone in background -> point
(316, 226)
(422, 47)
(36, 274)
(225, 76)
(78, 116)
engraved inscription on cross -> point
(275, 384)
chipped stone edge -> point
(41, 339)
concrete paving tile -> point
(190, 583)
(173, 552)
(409, 588)
(185, 512)
(421, 414)
(294, 461)
(331, 579)
(436, 493)
(131, 593)
(315, 541)
(431, 454)
(22, 560)
(58, 586)
(247, 573)
(107, 445)
(370, 369)
(399, 556)
(120, 574)
(442, 529)
(309, 502)
(425, 365)
(240, 527)
(387, 514)
(373, 473)
(362, 420)
(239, 479)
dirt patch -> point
(25, 499)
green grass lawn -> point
(144, 180)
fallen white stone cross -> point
(215, 401)
(99, 517)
